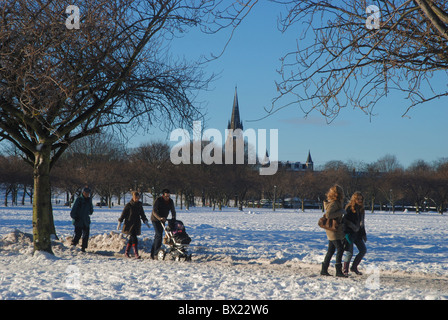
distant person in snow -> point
(81, 212)
(334, 210)
(132, 214)
(161, 209)
(355, 233)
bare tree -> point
(352, 53)
(152, 167)
(418, 184)
(387, 163)
(305, 186)
(13, 175)
(439, 193)
(59, 83)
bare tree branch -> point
(339, 62)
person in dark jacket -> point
(161, 209)
(81, 211)
(355, 233)
(132, 214)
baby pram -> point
(176, 240)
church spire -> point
(235, 121)
(309, 162)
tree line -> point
(112, 170)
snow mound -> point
(17, 242)
(18, 236)
(40, 256)
(113, 241)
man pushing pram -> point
(161, 209)
(176, 239)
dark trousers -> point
(361, 248)
(84, 232)
(158, 233)
(334, 245)
(133, 239)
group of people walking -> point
(350, 231)
(131, 218)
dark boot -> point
(135, 251)
(339, 272)
(354, 267)
(324, 270)
(84, 244)
(126, 251)
(345, 268)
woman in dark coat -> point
(132, 214)
(355, 233)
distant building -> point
(297, 166)
(236, 123)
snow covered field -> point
(255, 254)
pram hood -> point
(176, 234)
(176, 226)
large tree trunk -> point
(43, 223)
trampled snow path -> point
(255, 254)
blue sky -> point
(250, 63)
